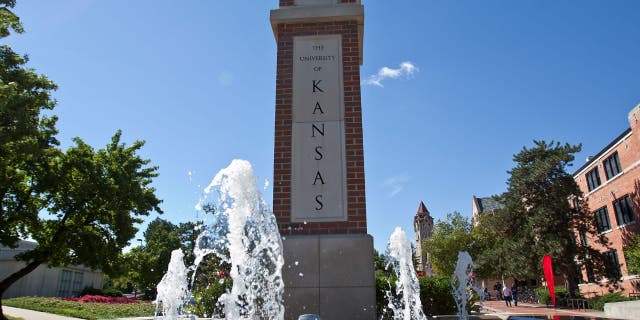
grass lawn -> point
(84, 310)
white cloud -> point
(406, 70)
(395, 184)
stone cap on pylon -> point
(335, 12)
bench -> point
(578, 304)
(635, 294)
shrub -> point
(102, 299)
(91, 291)
(112, 293)
(384, 284)
(436, 296)
(597, 303)
(205, 299)
(545, 297)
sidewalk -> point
(33, 315)
(500, 309)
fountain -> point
(173, 289)
(406, 304)
(245, 234)
(463, 283)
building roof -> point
(422, 214)
(422, 209)
(488, 204)
(7, 253)
(604, 150)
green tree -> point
(381, 265)
(27, 137)
(538, 219)
(449, 237)
(632, 255)
(147, 264)
(485, 243)
(80, 205)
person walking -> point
(506, 293)
(514, 294)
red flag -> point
(548, 274)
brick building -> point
(484, 205)
(610, 182)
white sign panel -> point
(318, 188)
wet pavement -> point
(499, 309)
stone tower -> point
(422, 226)
(319, 187)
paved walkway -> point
(500, 309)
(33, 315)
(497, 308)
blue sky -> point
(196, 80)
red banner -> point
(548, 275)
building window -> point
(612, 264)
(579, 274)
(590, 275)
(576, 203)
(612, 166)
(78, 279)
(70, 283)
(64, 288)
(602, 219)
(583, 238)
(593, 179)
(624, 213)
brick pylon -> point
(319, 187)
(346, 20)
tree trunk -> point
(8, 281)
(572, 283)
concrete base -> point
(329, 275)
(623, 310)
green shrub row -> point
(435, 295)
(205, 299)
(545, 296)
(597, 303)
(110, 292)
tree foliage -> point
(80, 205)
(147, 264)
(449, 237)
(27, 137)
(632, 254)
(538, 219)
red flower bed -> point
(101, 299)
